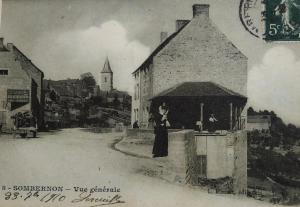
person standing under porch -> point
(212, 123)
(160, 147)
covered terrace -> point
(191, 102)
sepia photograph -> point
(164, 103)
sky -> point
(66, 38)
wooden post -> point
(201, 112)
(201, 117)
(240, 117)
(230, 105)
(236, 121)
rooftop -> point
(106, 67)
(198, 89)
(203, 24)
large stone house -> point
(196, 52)
(21, 84)
(198, 71)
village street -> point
(76, 157)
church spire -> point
(106, 83)
(106, 67)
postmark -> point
(250, 16)
(282, 20)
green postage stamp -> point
(282, 20)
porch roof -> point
(198, 89)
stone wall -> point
(145, 95)
(135, 103)
(143, 92)
(32, 70)
(140, 133)
(226, 156)
(240, 162)
(219, 157)
(144, 133)
(181, 156)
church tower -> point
(106, 83)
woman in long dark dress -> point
(160, 147)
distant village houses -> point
(71, 102)
(258, 122)
(21, 86)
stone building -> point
(196, 52)
(198, 71)
(258, 122)
(106, 82)
(21, 85)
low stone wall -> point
(140, 133)
(181, 160)
(106, 130)
(182, 156)
(226, 156)
(240, 162)
(217, 160)
(144, 133)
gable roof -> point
(106, 67)
(198, 89)
(159, 48)
(15, 49)
(204, 23)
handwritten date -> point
(49, 197)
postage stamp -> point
(282, 20)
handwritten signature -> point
(98, 201)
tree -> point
(53, 96)
(251, 111)
(88, 82)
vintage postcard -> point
(164, 103)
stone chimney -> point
(10, 46)
(200, 9)
(163, 36)
(181, 23)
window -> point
(3, 72)
(136, 115)
(138, 91)
(135, 93)
(105, 79)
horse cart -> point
(25, 125)
(25, 131)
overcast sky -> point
(68, 37)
